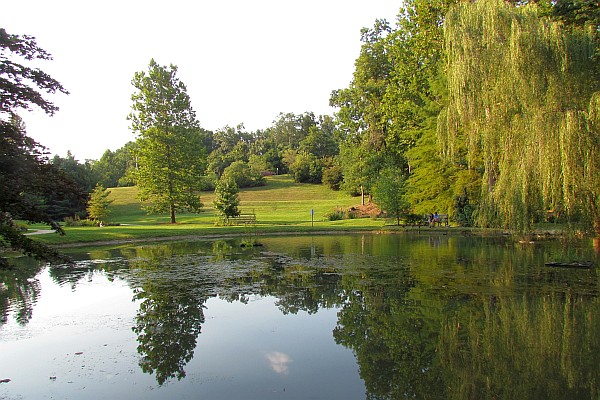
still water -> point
(305, 317)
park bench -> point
(439, 220)
(244, 219)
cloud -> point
(279, 362)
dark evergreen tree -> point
(29, 184)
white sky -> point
(243, 61)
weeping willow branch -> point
(524, 105)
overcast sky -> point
(243, 61)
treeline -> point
(487, 111)
(304, 145)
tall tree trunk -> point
(172, 211)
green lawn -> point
(281, 205)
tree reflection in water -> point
(170, 314)
(549, 345)
(440, 317)
(19, 290)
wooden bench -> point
(244, 219)
(439, 220)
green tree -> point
(320, 143)
(170, 155)
(390, 193)
(413, 100)
(306, 167)
(361, 116)
(81, 173)
(524, 109)
(231, 144)
(577, 12)
(227, 197)
(84, 177)
(98, 207)
(333, 177)
(290, 129)
(115, 167)
(244, 175)
(21, 85)
(28, 182)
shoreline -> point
(453, 231)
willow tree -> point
(524, 107)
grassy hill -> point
(281, 201)
(281, 205)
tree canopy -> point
(170, 155)
(523, 105)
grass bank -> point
(280, 206)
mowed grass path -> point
(281, 205)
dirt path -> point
(39, 232)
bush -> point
(465, 212)
(207, 183)
(336, 215)
(243, 175)
(333, 177)
(412, 219)
(306, 168)
(76, 221)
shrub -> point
(76, 221)
(333, 177)
(336, 215)
(306, 168)
(243, 175)
(207, 183)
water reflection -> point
(426, 317)
(279, 362)
(549, 345)
(19, 290)
(170, 314)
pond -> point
(305, 317)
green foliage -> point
(21, 85)
(230, 145)
(319, 143)
(290, 129)
(243, 175)
(169, 150)
(464, 210)
(29, 185)
(361, 115)
(522, 93)
(578, 13)
(115, 168)
(227, 198)
(260, 163)
(306, 168)
(333, 177)
(76, 221)
(98, 207)
(390, 193)
(81, 173)
(336, 215)
(84, 178)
